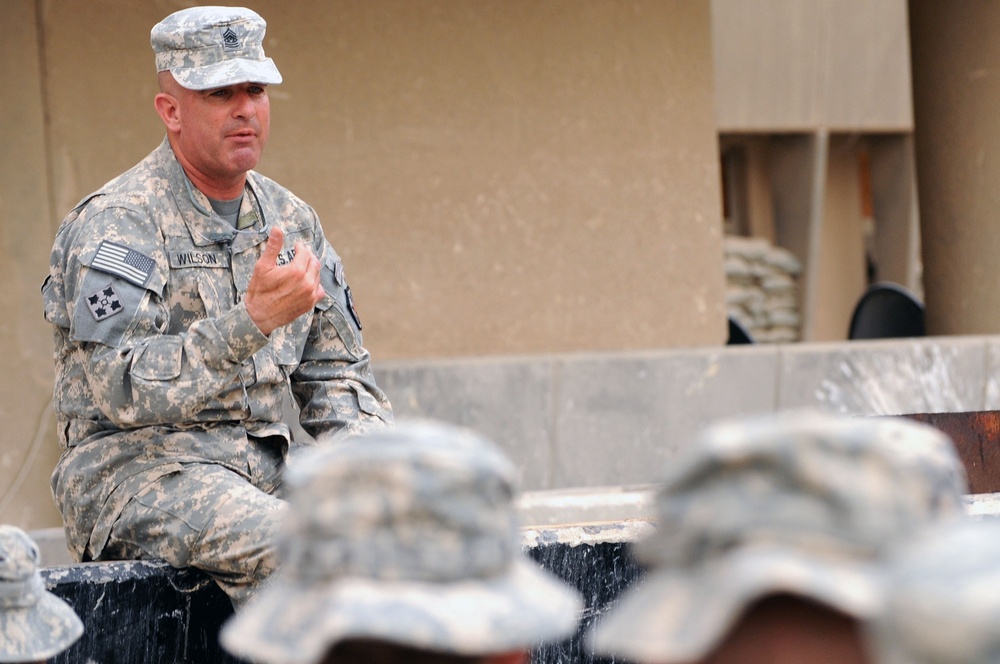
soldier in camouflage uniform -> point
(34, 624)
(770, 533)
(402, 546)
(187, 296)
(943, 597)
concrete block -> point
(586, 420)
(886, 377)
(992, 389)
(621, 418)
(52, 547)
(508, 400)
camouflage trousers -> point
(209, 517)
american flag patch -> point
(126, 263)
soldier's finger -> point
(275, 241)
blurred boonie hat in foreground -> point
(409, 536)
(801, 503)
(942, 598)
(34, 624)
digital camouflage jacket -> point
(157, 362)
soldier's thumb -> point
(274, 243)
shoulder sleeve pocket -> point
(105, 308)
(338, 297)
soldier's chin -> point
(244, 159)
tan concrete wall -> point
(957, 145)
(27, 446)
(28, 449)
(897, 218)
(840, 276)
(500, 177)
(801, 64)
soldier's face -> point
(786, 630)
(222, 132)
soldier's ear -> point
(169, 111)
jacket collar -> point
(205, 227)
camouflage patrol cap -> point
(404, 535)
(34, 623)
(801, 503)
(212, 47)
(942, 597)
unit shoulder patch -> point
(104, 303)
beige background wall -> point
(515, 176)
(840, 273)
(500, 177)
(794, 65)
(27, 443)
(957, 141)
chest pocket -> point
(201, 285)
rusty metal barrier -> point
(977, 438)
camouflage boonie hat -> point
(212, 47)
(942, 598)
(800, 503)
(34, 624)
(404, 535)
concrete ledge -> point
(629, 512)
(585, 506)
(586, 420)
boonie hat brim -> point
(941, 600)
(38, 632)
(290, 622)
(682, 614)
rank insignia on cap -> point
(230, 39)
(105, 303)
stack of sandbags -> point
(761, 289)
